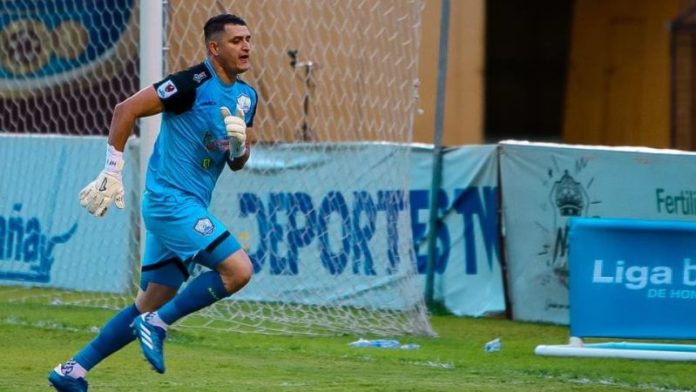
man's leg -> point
(115, 335)
(231, 270)
(160, 280)
(209, 287)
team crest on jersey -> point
(204, 226)
(244, 103)
(166, 89)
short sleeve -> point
(178, 91)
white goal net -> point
(322, 207)
(64, 65)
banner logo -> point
(682, 202)
(568, 196)
(44, 43)
(26, 251)
(345, 225)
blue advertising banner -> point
(632, 278)
(65, 64)
(68, 41)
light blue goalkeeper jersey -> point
(192, 148)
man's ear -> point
(213, 48)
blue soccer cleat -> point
(151, 340)
(63, 383)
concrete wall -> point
(464, 91)
(618, 90)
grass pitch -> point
(35, 337)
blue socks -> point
(206, 289)
(116, 334)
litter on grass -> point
(383, 343)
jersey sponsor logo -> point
(206, 163)
(212, 144)
(166, 89)
(209, 141)
(204, 226)
(244, 103)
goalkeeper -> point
(207, 113)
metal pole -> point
(151, 67)
(434, 221)
(306, 130)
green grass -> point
(35, 337)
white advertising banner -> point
(544, 185)
(369, 229)
(468, 278)
(313, 236)
(316, 235)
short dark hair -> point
(217, 23)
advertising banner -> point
(316, 235)
(632, 278)
(468, 278)
(313, 237)
(65, 64)
(370, 232)
(46, 238)
(544, 185)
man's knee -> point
(236, 271)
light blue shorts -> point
(180, 233)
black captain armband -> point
(178, 91)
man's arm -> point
(141, 104)
(98, 195)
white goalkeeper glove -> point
(236, 131)
(98, 195)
